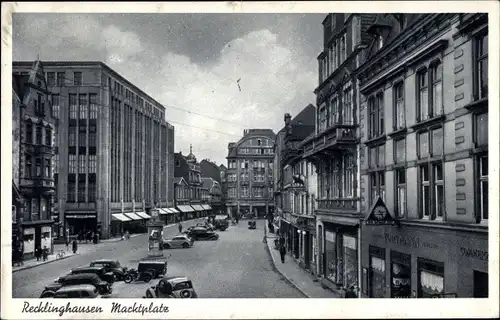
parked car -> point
(111, 266)
(172, 287)
(82, 291)
(180, 241)
(206, 225)
(221, 222)
(155, 268)
(202, 234)
(100, 271)
(103, 287)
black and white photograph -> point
(164, 152)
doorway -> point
(480, 284)
(38, 237)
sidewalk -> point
(298, 277)
(83, 248)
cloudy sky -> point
(192, 62)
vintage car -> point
(252, 224)
(221, 222)
(103, 287)
(155, 268)
(180, 241)
(206, 225)
(82, 291)
(202, 234)
(111, 266)
(172, 287)
(100, 271)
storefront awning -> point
(185, 208)
(173, 210)
(164, 211)
(120, 217)
(80, 216)
(197, 207)
(143, 215)
(206, 207)
(133, 216)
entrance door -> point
(480, 284)
(38, 237)
(307, 249)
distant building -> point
(250, 173)
(33, 151)
(217, 173)
(214, 195)
(113, 149)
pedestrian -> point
(180, 227)
(282, 253)
(67, 242)
(38, 253)
(75, 246)
(45, 253)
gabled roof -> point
(180, 180)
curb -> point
(72, 255)
(281, 273)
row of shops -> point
(379, 257)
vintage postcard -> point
(261, 159)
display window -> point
(350, 262)
(400, 275)
(331, 256)
(430, 279)
(377, 272)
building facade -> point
(33, 151)
(209, 169)
(113, 152)
(250, 174)
(424, 129)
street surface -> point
(235, 266)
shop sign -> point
(379, 214)
(408, 241)
(474, 253)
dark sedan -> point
(202, 234)
(111, 266)
(100, 271)
(103, 287)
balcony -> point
(37, 185)
(339, 204)
(336, 138)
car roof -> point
(176, 279)
(81, 276)
(78, 287)
(104, 261)
(87, 268)
(152, 262)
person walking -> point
(282, 253)
(75, 246)
(180, 227)
(38, 253)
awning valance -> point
(133, 216)
(163, 211)
(143, 214)
(185, 208)
(197, 207)
(173, 210)
(206, 207)
(120, 217)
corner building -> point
(114, 149)
(424, 130)
(250, 174)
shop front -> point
(36, 234)
(171, 218)
(416, 259)
(118, 221)
(80, 222)
(199, 211)
(338, 253)
(306, 233)
(187, 212)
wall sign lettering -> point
(474, 253)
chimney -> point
(288, 125)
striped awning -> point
(197, 207)
(185, 208)
(120, 217)
(143, 214)
(206, 207)
(133, 216)
(173, 210)
(163, 211)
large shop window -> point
(430, 278)
(330, 255)
(400, 275)
(350, 261)
(377, 272)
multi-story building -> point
(209, 169)
(213, 196)
(334, 149)
(188, 187)
(424, 169)
(249, 174)
(33, 151)
(299, 189)
(113, 148)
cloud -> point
(275, 78)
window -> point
(92, 164)
(376, 109)
(431, 143)
(60, 79)
(423, 140)
(430, 278)
(28, 166)
(400, 150)
(334, 111)
(77, 78)
(56, 163)
(38, 165)
(38, 135)
(437, 89)
(425, 195)
(71, 190)
(423, 95)
(244, 192)
(48, 137)
(82, 136)
(83, 106)
(343, 49)
(377, 185)
(92, 136)
(35, 209)
(322, 118)
(81, 163)
(401, 192)
(93, 106)
(72, 106)
(483, 188)
(72, 136)
(72, 163)
(399, 106)
(481, 134)
(348, 176)
(437, 142)
(29, 131)
(51, 79)
(400, 275)
(39, 105)
(47, 168)
(347, 116)
(438, 190)
(258, 192)
(81, 188)
(231, 192)
(481, 76)
(55, 106)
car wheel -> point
(185, 245)
(147, 277)
(152, 273)
(166, 246)
(185, 294)
(47, 294)
(128, 278)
